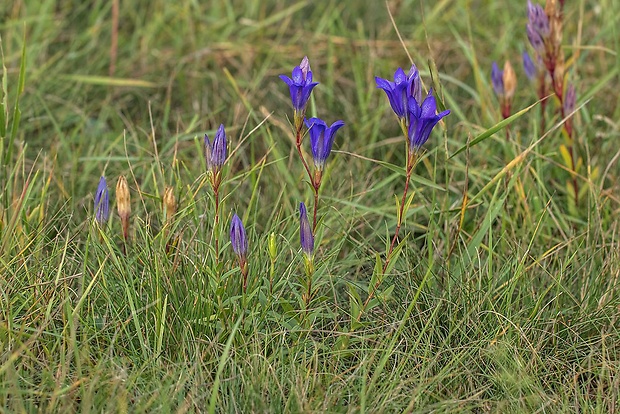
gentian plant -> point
(417, 119)
(215, 156)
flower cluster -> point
(417, 118)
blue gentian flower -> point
(497, 79)
(399, 91)
(422, 120)
(102, 202)
(305, 232)
(529, 66)
(321, 139)
(215, 152)
(238, 238)
(300, 85)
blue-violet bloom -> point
(321, 139)
(422, 120)
(102, 202)
(300, 85)
(215, 152)
(238, 237)
(305, 232)
(399, 91)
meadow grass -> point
(503, 294)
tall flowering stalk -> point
(239, 242)
(544, 32)
(417, 119)
(215, 156)
(306, 238)
(321, 136)
(102, 202)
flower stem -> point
(216, 194)
(410, 163)
(316, 207)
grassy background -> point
(510, 305)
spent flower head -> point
(422, 120)
(102, 202)
(321, 139)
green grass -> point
(510, 304)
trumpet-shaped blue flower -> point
(215, 152)
(305, 231)
(403, 87)
(238, 237)
(102, 202)
(422, 120)
(321, 139)
(300, 85)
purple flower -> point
(102, 202)
(537, 28)
(321, 139)
(538, 19)
(529, 66)
(238, 238)
(305, 232)
(422, 120)
(301, 85)
(215, 152)
(497, 78)
(403, 87)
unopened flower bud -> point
(273, 248)
(170, 203)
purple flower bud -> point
(570, 100)
(497, 79)
(422, 120)
(321, 139)
(301, 85)
(215, 152)
(238, 238)
(529, 66)
(102, 202)
(305, 232)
